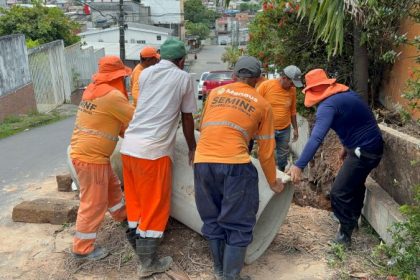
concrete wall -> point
(81, 64)
(14, 71)
(16, 90)
(49, 73)
(394, 85)
(399, 170)
(131, 37)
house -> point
(168, 14)
(3, 3)
(137, 36)
(224, 25)
(109, 10)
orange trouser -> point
(147, 186)
(100, 191)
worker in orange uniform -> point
(226, 181)
(166, 92)
(281, 94)
(148, 57)
(103, 114)
(260, 80)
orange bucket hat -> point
(317, 77)
(110, 68)
(147, 52)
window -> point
(133, 41)
(141, 42)
(126, 41)
(100, 40)
(158, 37)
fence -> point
(81, 64)
(49, 75)
(14, 71)
(57, 71)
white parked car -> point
(200, 84)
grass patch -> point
(337, 255)
(15, 124)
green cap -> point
(172, 49)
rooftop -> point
(132, 26)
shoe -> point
(149, 263)
(131, 235)
(233, 261)
(217, 246)
(97, 254)
(344, 235)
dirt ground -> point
(300, 250)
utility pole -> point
(122, 27)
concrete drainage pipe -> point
(272, 211)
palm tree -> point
(327, 19)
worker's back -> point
(233, 115)
(165, 91)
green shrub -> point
(403, 256)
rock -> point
(64, 183)
(46, 210)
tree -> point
(231, 56)
(249, 7)
(244, 7)
(196, 12)
(197, 29)
(375, 25)
(39, 24)
(280, 37)
(371, 27)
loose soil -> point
(394, 120)
(315, 189)
(300, 250)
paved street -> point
(31, 156)
(208, 60)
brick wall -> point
(20, 101)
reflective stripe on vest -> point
(98, 133)
(82, 235)
(264, 137)
(117, 206)
(229, 124)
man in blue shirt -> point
(349, 116)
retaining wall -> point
(16, 91)
(399, 170)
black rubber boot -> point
(233, 261)
(344, 235)
(97, 254)
(217, 246)
(131, 235)
(149, 263)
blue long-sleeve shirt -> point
(351, 118)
